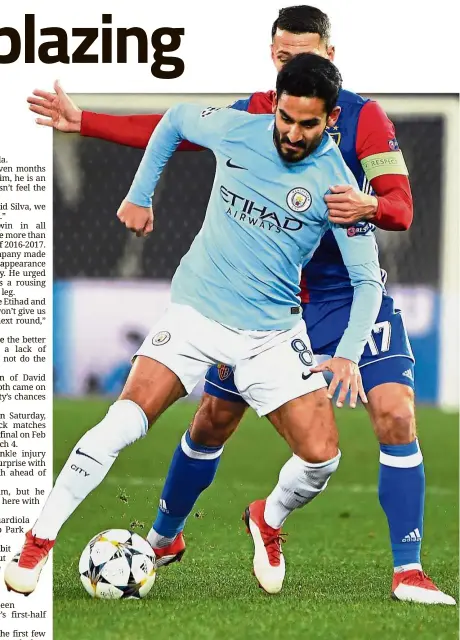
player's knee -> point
(215, 421)
(319, 449)
(319, 453)
(393, 414)
(124, 423)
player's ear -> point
(334, 116)
(330, 53)
(274, 102)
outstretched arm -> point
(57, 110)
(202, 126)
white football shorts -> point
(270, 367)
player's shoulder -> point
(349, 98)
(369, 106)
(225, 115)
(234, 125)
(257, 103)
(261, 102)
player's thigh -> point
(279, 371)
(391, 409)
(307, 424)
(170, 361)
(152, 386)
(215, 420)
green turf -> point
(337, 552)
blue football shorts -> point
(387, 357)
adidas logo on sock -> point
(408, 374)
(163, 506)
(413, 536)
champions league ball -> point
(117, 564)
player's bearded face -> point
(299, 126)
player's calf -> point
(299, 483)
(215, 420)
(307, 423)
(193, 467)
(401, 475)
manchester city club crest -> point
(298, 199)
(224, 371)
(162, 337)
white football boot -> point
(23, 571)
(268, 563)
(416, 586)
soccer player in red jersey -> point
(367, 140)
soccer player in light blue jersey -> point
(235, 299)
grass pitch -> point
(337, 553)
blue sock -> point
(191, 471)
(402, 497)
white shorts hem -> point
(319, 383)
(168, 365)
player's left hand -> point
(137, 219)
(346, 205)
(346, 374)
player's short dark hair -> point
(303, 19)
(311, 76)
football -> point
(117, 564)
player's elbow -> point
(375, 284)
(372, 288)
(407, 215)
(406, 210)
(396, 210)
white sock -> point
(89, 463)
(408, 567)
(157, 541)
(299, 483)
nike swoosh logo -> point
(234, 166)
(79, 452)
(306, 376)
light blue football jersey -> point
(264, 220)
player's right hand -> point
(346, 374)
(137, 219)
(57, 108)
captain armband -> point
(379, 164)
